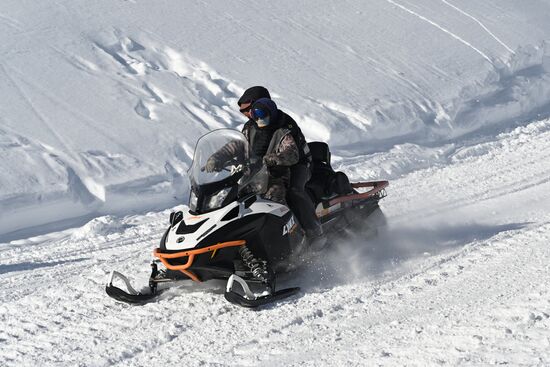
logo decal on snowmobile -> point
(180, 239)
(288, 227)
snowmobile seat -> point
(320, 153)
(325, 183)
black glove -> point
(270, 160)
(212, 165)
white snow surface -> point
(101, 104)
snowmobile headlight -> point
(216, 200)
(193, 201)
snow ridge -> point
(164, 86)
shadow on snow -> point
(26, 266)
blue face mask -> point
(263, 122)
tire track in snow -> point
(74, 309)
(461, 40)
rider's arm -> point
(233, 149)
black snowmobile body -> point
(231, 232)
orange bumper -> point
(191, 256)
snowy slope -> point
(100, 107)
(102, 102)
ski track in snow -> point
(461, 40)
(422, 293)
(11, 22)
(45, 121)
(480, 24)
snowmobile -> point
(231, 232)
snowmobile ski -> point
(132, 296)
(122, 296)
(251, 300)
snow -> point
(101, 106)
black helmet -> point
(252, 94)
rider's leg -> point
(299, 201)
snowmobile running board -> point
(251, 300)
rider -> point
(250, 96)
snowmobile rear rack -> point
(377, 187)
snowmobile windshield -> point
(223, 170)
(219, 154)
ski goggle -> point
(259, 113)
(245, 109)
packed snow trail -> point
(459, 276)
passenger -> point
(298, 200)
